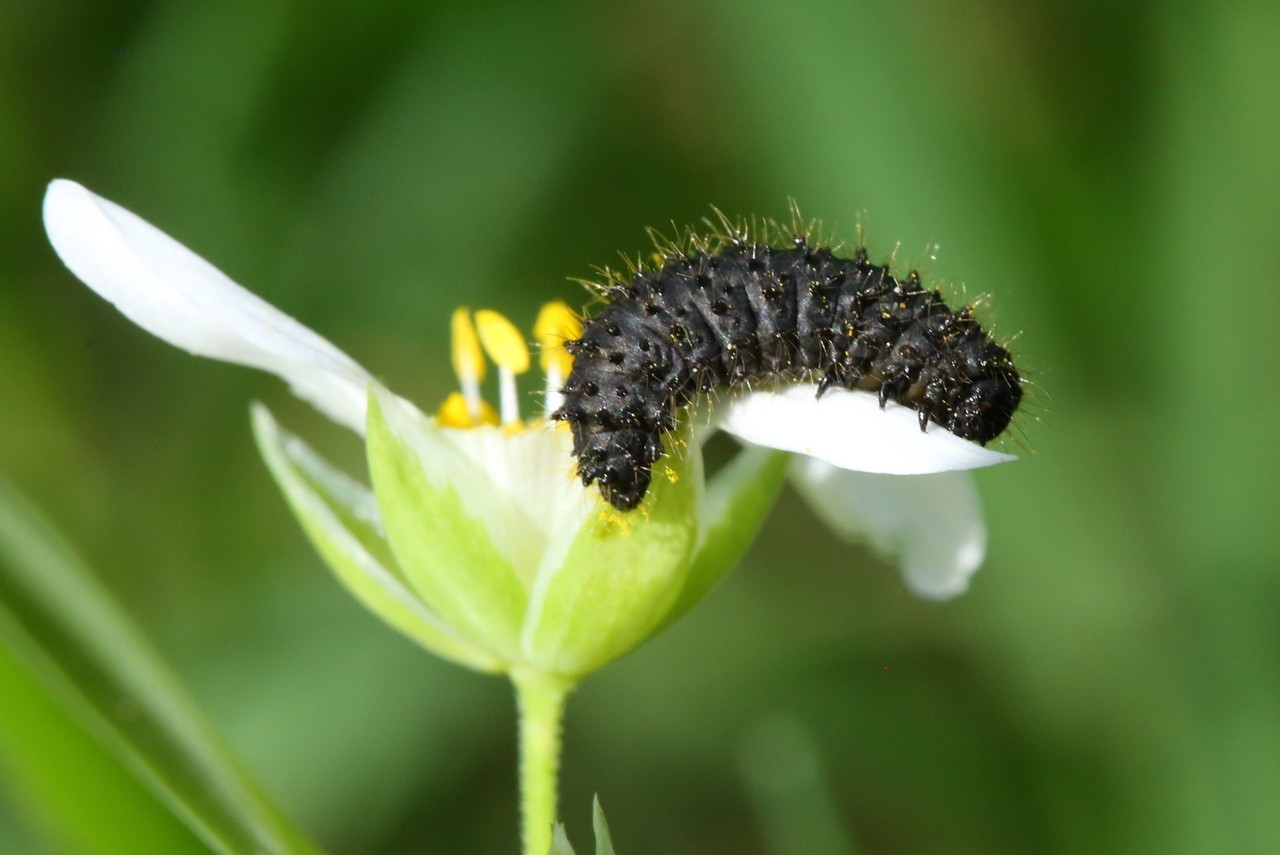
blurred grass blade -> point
(782, 769)
(66, 630)
(73, 793)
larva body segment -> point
(750, 312)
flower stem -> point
(540, 698)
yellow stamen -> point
(455, 412)
(505, 346)
(468, 361)
(556, 324)
(502, 341)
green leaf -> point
(739, 499)
(341, 519)
(604, 844)
(610, 587)
(560, 844)
(443, 548)
(69, 634)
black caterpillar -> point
(749, 311)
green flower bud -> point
(479, 544)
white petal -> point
(932, 524)
(176, 295)
(849, 430)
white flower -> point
(873, 475)
(850, 431)
(176, 295)
(551, 550)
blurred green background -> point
(1110, 172)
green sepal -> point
(340, 518)
(442, 546)
(739, 498)
(606, 588)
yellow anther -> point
(502, 341)
(556, 324)
(455, 413)
(468, 359)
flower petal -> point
(931, 523)
(341, 519)
(176, 295)
(849, 430)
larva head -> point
(620, 462)
(988, 405)
(624, 484)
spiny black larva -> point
(728, 315)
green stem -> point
(540, 698)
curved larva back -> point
(751, 312)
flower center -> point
(488, 333)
